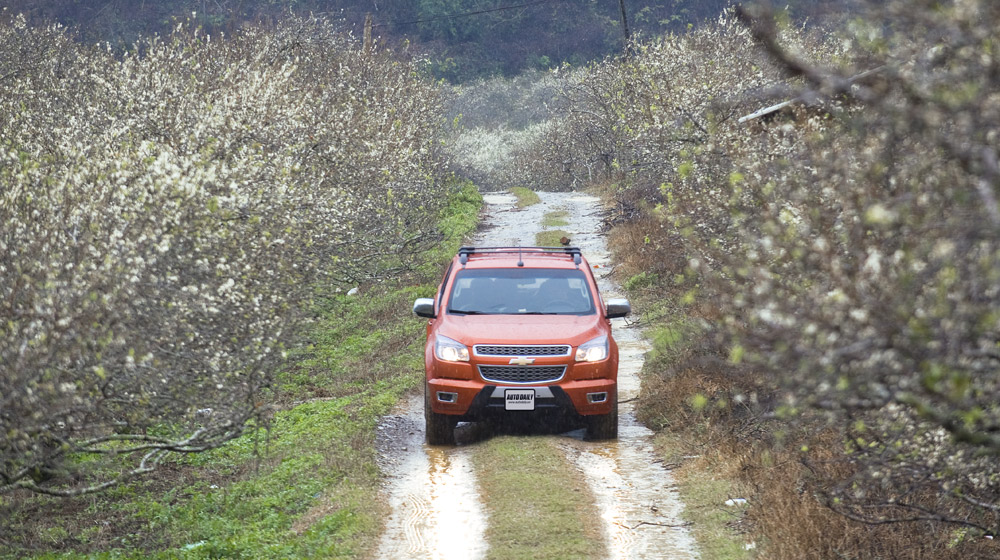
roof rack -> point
(464, 252)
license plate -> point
(519, 399)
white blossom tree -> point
(165, 217)
(845, 244)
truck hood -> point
(523, 329)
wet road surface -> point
(436, 512)
(432, 493)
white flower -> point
(226, 287)
(873, 263)
(877, 214)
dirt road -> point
(436, 511)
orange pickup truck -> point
(516, 331)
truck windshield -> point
(522, 291)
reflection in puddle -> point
(603, 471)
(455, 504)
(635, 495)
(640, 510)
(432, 494)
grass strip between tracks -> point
(525, 196)
(550, 238)
(556, 218)
(538, 503)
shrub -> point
(844, 247)
(165, 216)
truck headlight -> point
(448, 350)
(593, 351)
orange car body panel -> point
(463, 379)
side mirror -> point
(424, 307)
(618, 308)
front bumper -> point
(473, 401)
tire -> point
(439, 428)
(604, 426)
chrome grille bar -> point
(522, 374)
(554, 350)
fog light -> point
(447, 397)
(594, 398)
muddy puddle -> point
(635, 493)
(435, 508)
(436, 513)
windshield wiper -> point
(470, 312)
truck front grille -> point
(521, 350)
(522, 374)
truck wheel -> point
(604, 426)
(439, 428)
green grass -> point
(643, 280)
(704, 494)
(555, 219)
(704, 474)
(538, 505)
(320, 456)
(307, 487)
(550, 238)
(525, 196)
(359, 340)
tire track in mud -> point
(436, 511)
(635, 494)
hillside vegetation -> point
(167, 220)
(461, 40)
(181, 223)
(821, 281)
(207, 254)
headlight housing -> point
(593, 350)
(448, 350)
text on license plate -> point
(519, 399)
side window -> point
(597, 293)
(444, 281)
